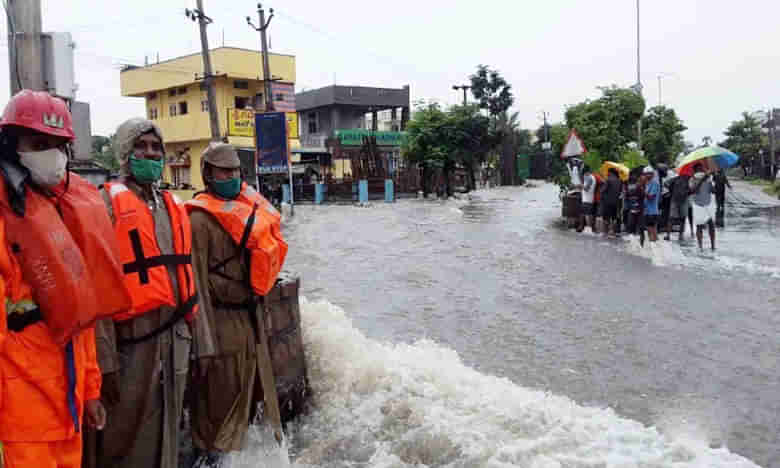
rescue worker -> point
(144, 354)
(60, 273)
(233, 227)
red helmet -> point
(39, 111)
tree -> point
(426, 143)
(103, 152)
(557, 133)
(491, 90)
(662, 138)
(744, 138)
(472, 139)
(608, 123)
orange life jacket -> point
(63, 253)
(255, 225)
(144, 266)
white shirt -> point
(589, 194)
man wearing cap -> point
(652, 199)
(58, 267)
(144, 355)
(228, 221)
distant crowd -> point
(646, 200)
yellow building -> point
(176, 101)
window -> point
(279, 97)
(312, 121)
(151, 96)
(204, 105)
(241, 102)
(172, 92)
(259, 103)
(183, 90)
(172, 110)
(182, 107)
(241, 84)
(152, 113)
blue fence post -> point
(319, 193)
(286, 193)
(363, 191)
(389, 192)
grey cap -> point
(124, 139)
(222, 155)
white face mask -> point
(47, 168)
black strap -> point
(19, 321)
(183, 310)
(142, 264)
(250, 222)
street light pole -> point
(638, 78)
(464, 88)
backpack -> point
(680, 190)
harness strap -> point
(180, 313)
(17, 322)
(250, 222)
(142, 264)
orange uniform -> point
(40, 416)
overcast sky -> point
(718, 57)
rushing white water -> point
(671, 254)
(417, 405)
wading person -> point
(679, 208)
(652, 190)
(144, 354)
(238, 252)
(720, 182)
(701, 197)
(610, 200)
(587, 214)
(60, 273)
(634, 197)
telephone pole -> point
(208, 76)
(464, 88)
(25, 58)
(267, 79)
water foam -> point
(672, 254)
(403, 405)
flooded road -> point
(571, 349)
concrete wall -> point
(236, 63)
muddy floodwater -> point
(478, 332)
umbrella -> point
(713, 158)
(621, 169)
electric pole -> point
(208, 76)
(267, 79)
(464, 88)
(772, 127)
(638, 81)
(25, 58)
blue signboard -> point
(271, 131)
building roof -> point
(362, 96)
(225, 61)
